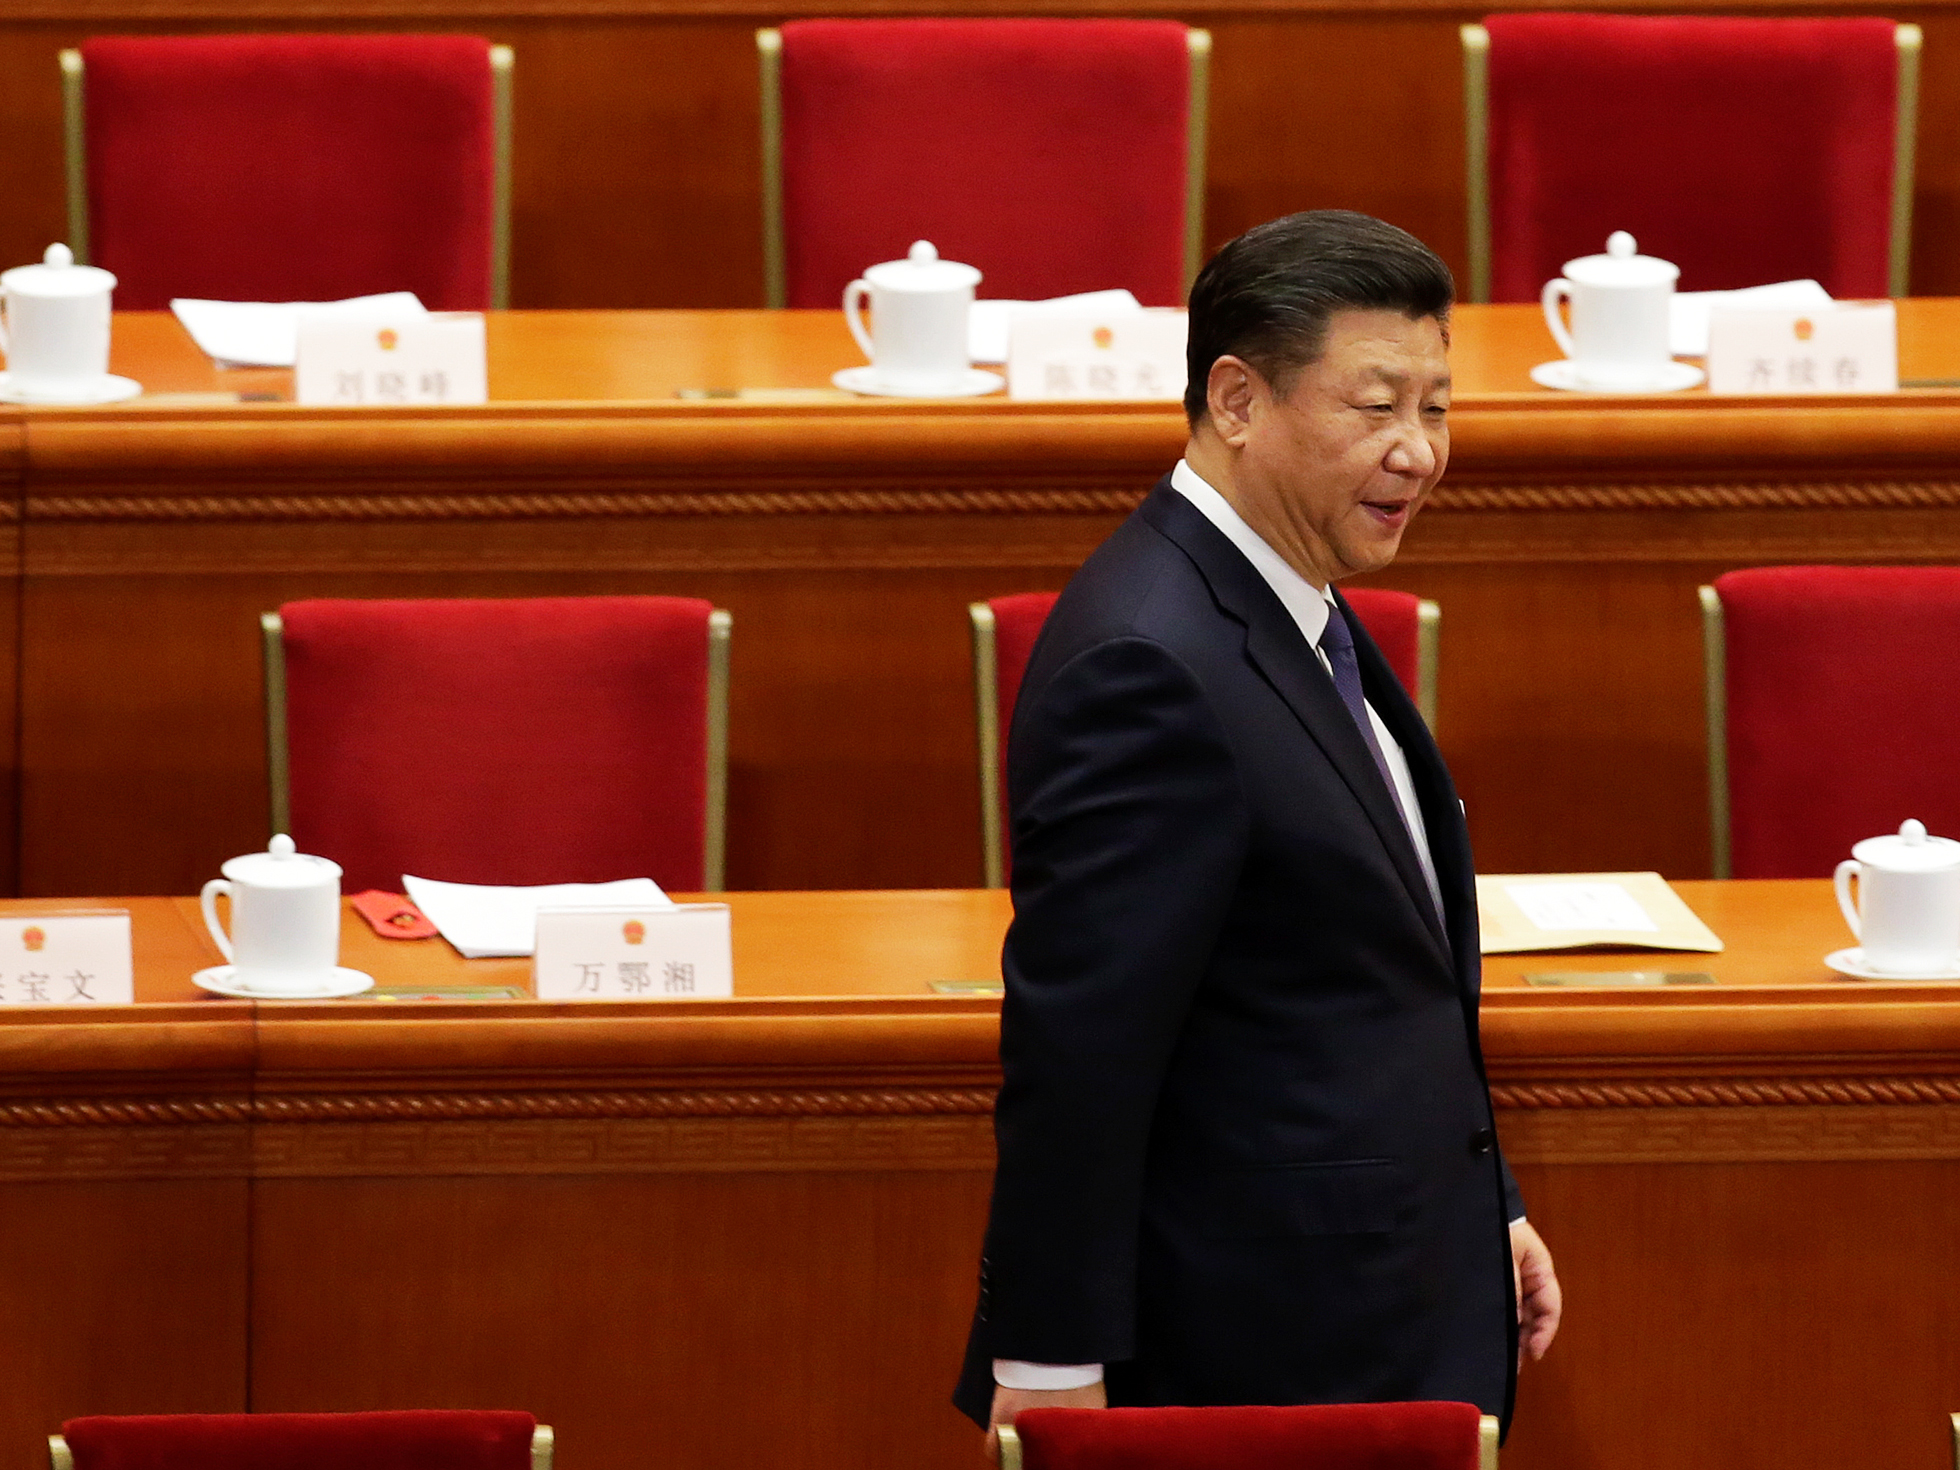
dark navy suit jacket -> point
(1246, 1149)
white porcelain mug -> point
(919, 308)
(1619, 303)
(54, 326)
(1906, 915)
(285, 918)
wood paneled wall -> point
(636, 125)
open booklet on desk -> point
(1523, 912)
(486, 922)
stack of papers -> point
(1688, 311)
(487, 923)
(266, 333)
(1522, 912)
(989, 322)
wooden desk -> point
(744, 1231)
(846, 536)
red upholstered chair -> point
(414, 1439)
(1004, 630)
(291, 167)
(1418, 1436)
(1055, 155)
(1743, 150)
(1831, 694)
(539, 740)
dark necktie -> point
(1337, 642)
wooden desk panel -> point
(847, 535)
(744, 1231)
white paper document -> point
(487, 922)
(987, 322)
(1688, 311)
(1581, 906)
(266, 333)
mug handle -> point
(208, 901)
(1847, 870)
(857, 299)
(6, 342)
(1556, 289)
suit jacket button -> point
(1482, 1142)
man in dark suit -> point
(1246, 1149)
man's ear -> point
(1230, 389)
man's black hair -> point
(1267, 296)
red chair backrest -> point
(1394, 620)
(1743, 150)
(1412, 1436)
(291, 168)
(1048, 153)
(1842, 688)
(415, 1439)
(541, 740)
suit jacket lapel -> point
(1442, 813)
(1274, 644)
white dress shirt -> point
(1309, 606)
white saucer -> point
(106, 389)
(1563, 376)
(218, 980)
(1852, 962)
(972, 383)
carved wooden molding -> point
(578, 506)
(1084, 501)
(1827, 495)
(1727, 1093)
(390, 1107)
(1782, 1132)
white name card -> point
(1846, 347)
(350, 362)
(66, 960)
(680, 953)
(1132, 354)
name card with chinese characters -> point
(438, 358)
(1847, 347)
(680, 953)
(66, 960)
(1132, 354)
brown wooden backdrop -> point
(636, 123)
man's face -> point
(1332, 473)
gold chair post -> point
(278, 765)
(775, 247)
(1905, 149)
(1715, 696)
(74, 140)
(1476, 153)
(986, 720)
(714, 832)
(1196, 132)
(1429, 651)
(502, 61)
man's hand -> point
(1539, 1300)
(1009, 1402)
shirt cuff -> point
(1046, 1377)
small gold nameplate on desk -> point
(1523, 912)
(436, 358)
(66, 960)
(968, 987)
(678, 953)
(1585, 978)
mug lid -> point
(922, 270)
(281, 865)
(57, 275)
(1913, 850)
(1621, 265)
